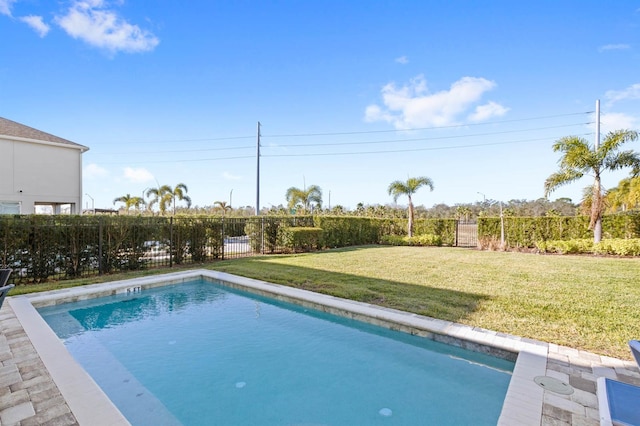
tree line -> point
(578, 158)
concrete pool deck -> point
(40, 384)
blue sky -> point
(350, 95)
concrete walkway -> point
(28, 395)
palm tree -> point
(626, 196)
(129, 202)
(180, 192)
(408, 188)
(308, 198)
(162, 195)
(580, 158)
(221, 205)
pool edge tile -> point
(88, 403)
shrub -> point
(620, 247)
(416, 240)
(299, 238)
(566, 246)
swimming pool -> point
(202, 353)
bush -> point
(343, 231)
(619, 247)
(416, 240)
(614, 246)
(297, 239)
(566, 246)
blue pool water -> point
(203, 354)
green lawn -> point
(590, 303)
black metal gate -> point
(467, 233)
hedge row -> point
(616, 246)
(521, 232)
(40, 247)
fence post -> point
(262, 235)
(455, 240)
(100, 248)
(171, 242)
(222, 238)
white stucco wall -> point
(33, 173)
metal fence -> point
(466, 233)
(41, 248)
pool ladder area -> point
(133, 290)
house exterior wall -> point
(34, 173)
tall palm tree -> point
(180, 193)
(308, 198)
(408, 188)
(626, 196)
(221, 205)
(579, 157)
(129, 202)
(162, 195)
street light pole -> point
(93, 206)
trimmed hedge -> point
(416, 240)
(616, 246)
(300, 238)
(527, 232)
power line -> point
(228, 138)
(354, 143)
(435, 138)
(327, 154)
(323, 154)
(183, 140)
(177, 151)
(453, 126)
(181, 161)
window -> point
(9, 207)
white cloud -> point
(140, 175)
(487, 111)
(612, 121)
(5, 7)
(613, 47)
(95, 24)
(94, 171)
(412, 105)
(37, 24)
(402, 60)
(229, 176)
(631, 92)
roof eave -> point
(74, 145)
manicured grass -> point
(589, 303)
(584, 302)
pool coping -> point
(523, 402)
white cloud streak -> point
(608, 47)
(487, 111)
(412, 105)
(92, 22)
(37, 24)
(631, 92)
(229, 176)
(402, 60)
(92, 171)
(5, 7)
(612, 121)
(140, 175)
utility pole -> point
(597, 142)
(597, 228)
(258, 173)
